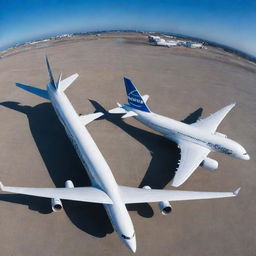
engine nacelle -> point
(210, 164)
(165, 207)
(221, 134)
(56, 204)
(69, 184)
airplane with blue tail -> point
(195, 141)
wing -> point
(212, 122)
(83, 194)
(141, 195)
(191, 157)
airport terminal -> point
(184, 83)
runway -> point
(36, 152)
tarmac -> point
(183, 84)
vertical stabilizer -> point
(135, 100)
(61, 84)
(50, 72)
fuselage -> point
(97, 168)
(178, 131)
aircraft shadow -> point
(62, 164)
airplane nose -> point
(131, 244)
(247, 157)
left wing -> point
(212, 122)
(131, 195)
(192, 156)
(83, 194)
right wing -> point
(192, 156)
(83, 194)
(212, 122)
(141, 195)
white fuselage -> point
(178, 131)
(95, 164)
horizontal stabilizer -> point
(83, 194)
(39, 92)
(129, 114)
(117, 111)
(141, 195)
(145, 98)
(64, 84)
(86, 119)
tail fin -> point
(50, 72)
(135, 100)
(61, 84)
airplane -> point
(104, 188)
(162, 42)
(195, 141)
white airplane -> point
(162, 42)
(104, 188)
(195, 141)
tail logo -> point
(134, 99)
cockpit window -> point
(245, 154)
(127, 237)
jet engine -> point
(221, 134)
(209, 164)
(165, 207)
(69, 184)
(56, 204)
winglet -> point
(236, 192)
(1, 186)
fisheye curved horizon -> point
(224, 22)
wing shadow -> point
(62, 164)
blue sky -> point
(229, 22)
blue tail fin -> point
(134, 98)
